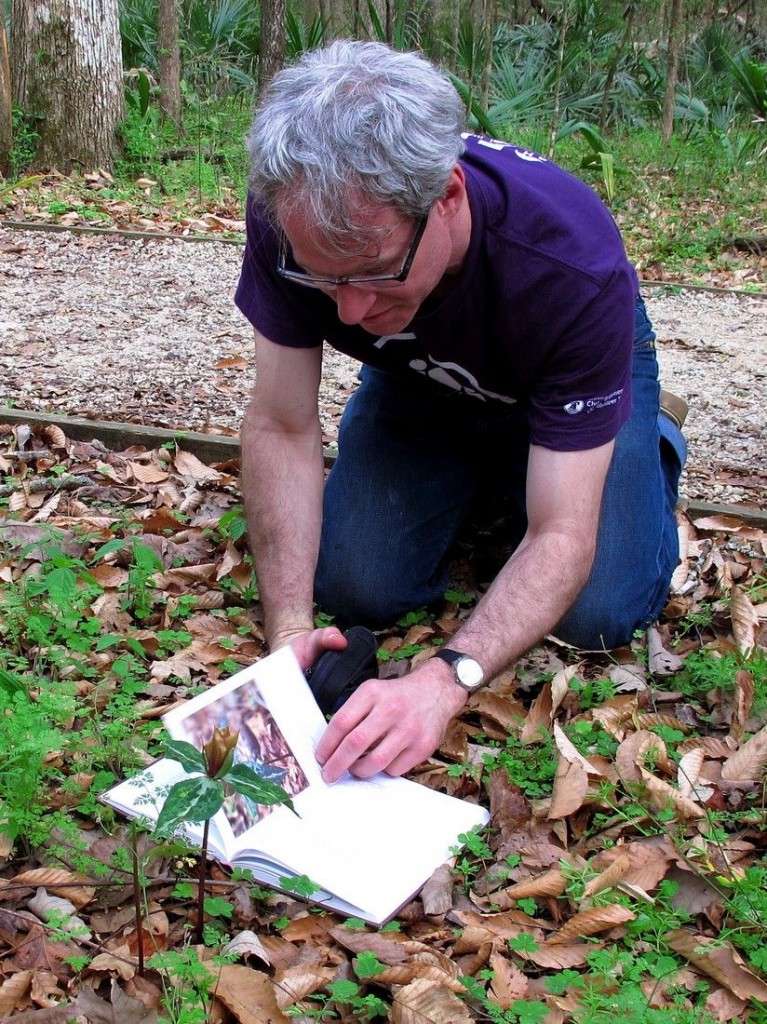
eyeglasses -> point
(293, 273)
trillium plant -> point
(212, 775)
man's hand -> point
(391, 725)
(308, 645)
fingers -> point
(380, 728)
(310, 645)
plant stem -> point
(137, 899)
(201, 882)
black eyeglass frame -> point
(319, 281)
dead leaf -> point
(744, 699)
(664, 796)
(189, 465)
(437, 894)
(745, 620)
(74, 887)
(591, 922)
(249, 995)
(749, 760)
(661, 661)
(509, 983)
(720, 961)
(538, 721)
(610, 877)
(424, 1000)
(300, 981)
(571, 785)
(14, 990)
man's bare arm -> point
(392, 725)
(282, 479)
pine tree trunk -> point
(6, 125)
(672, 68)
(170, 59)
(271, 56)
(66, 64)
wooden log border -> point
(214, 448)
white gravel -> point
(147, 332)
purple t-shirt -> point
(542, 312)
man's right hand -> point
(310, 644)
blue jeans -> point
(415, 461)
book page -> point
(241, 704)
(372, 842)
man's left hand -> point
(391, 725)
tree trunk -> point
(488, 32)
(6, 124)
(672, 68)
(170, 59)
(66, 63)
(271, 57)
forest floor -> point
(625, 871)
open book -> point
(368, 845)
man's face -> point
(385, 308)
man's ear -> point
(452, 202)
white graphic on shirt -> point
(498, 145)
(533, 158)
(450, 374)
(592, 404)
(440, 372)
(393, 337)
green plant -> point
(25, 134)
(199, 797)
(532, 767)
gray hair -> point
(355, 118)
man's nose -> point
(353, 302)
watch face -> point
(469, 672)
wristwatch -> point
(467, 672)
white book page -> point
(272, 708)
(373, 843)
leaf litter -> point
(626, 787)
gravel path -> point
(146, 332)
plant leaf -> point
(190, 758)
(244, 780)
(192, 800)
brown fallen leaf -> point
(571, 785)
(298, 982)
(663, 796)
(744, 699)
(437, 894)
(745, 620)
(61, 882)
(403, 974)
(591, 922)
(720, 961)
(423, 1000)
(661, 661)
(14, 990)
(509, 983)
(249, 995)
(748, 761)
(610, 876)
